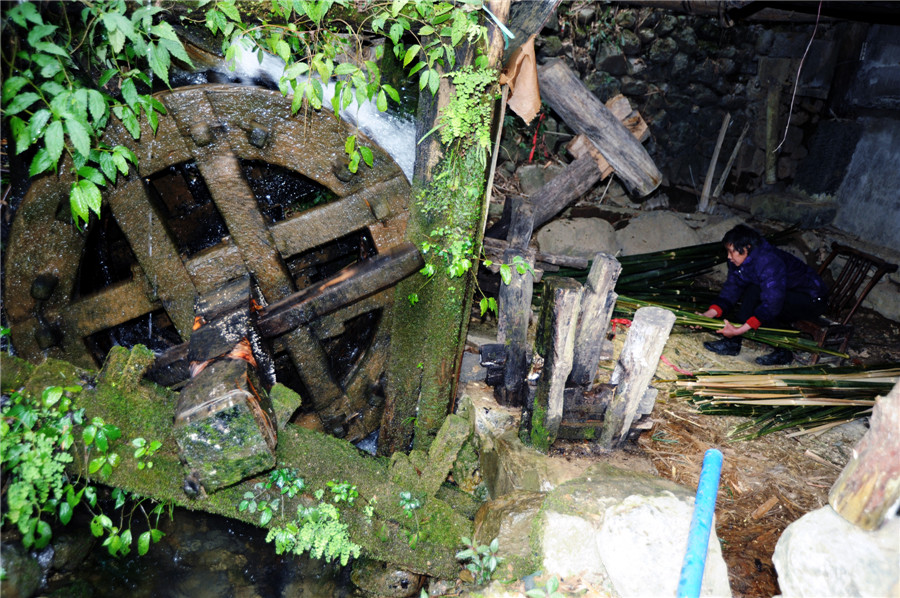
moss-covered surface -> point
(540, 437)
(14, 372)
(146, 410)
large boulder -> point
(605, 527)
(578, 237)
(822, 554)
(655, 231)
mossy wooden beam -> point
(142, 409)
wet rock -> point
(662, 50)
(382, 580)
(634, 87)
(810, 562)
(14, 372)
(578, 237)
(655, 231)
(646, 35)
(715, 230)
(23, 572)
(510, 519)
(586, 15)
(784, 208)
(626, 18)
(603, 85)
(666, 25)
(552, 47)
(70, 550)
(631, 43)
(611, 59)
(680, 63)
(686, 39)
(533, 176)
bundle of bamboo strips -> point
(776, 337)
(812, 399)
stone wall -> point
(684, 73)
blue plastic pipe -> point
(701, 525)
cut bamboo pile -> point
(811, 399)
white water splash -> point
(397, 136)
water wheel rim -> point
(208, 124)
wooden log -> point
(868, 489)
(574, 181)
(637, 363)
(593, 322)
(711, 171)
(559, 318)
(514, 307)
(563, 91)
(526, 19)
(522, 223)
(496, 247)
(350, 285)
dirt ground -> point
(766, 483)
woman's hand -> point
(709, 313)
(730, 330)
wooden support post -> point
(563, 90)
(514, 307)
(711, 171)
(773, 106)
(637, 363)
(559, 319)
(869, 487)
(596, 309)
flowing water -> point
(201, 556)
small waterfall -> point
(397, 136)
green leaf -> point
(165, 31)
(159, 62)
(382, 101)
(367, 156)
(130, 93)
(156, 535)
(350, 144)
(345, 68)
(283, 50)
(417, 68)
(426, 30)
(143, 543)
(53, 140)
(106, 76)
(395, 32)
(78, 135)
(65, 512)
(411, 53)
(12, 86)
(397, 6)
(265, 517)
(392, 92)
(36, 34)
(41, 162)
(315, 96)
(92, 199)
(230, 10)
(434, 81)
(116, 40)
(108, 166)
(21, 102)
(44, 533)
(506, 273)
(96, 464)
(177, 50)
(49, 70)
(354, 162)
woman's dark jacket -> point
(775, 272)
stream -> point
(201, 556)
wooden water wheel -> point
(230, 183)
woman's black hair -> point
(742, 238)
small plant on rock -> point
(483, 560)
(550, 590)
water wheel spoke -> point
(234, 198)
(156, 252)
(319, 225)
(114, 305)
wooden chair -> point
(860, 273)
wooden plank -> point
(559, 318)
(156, 252)
(563, 91)
(596, 309)
(321, 224)
(868, 489)
(634, 370)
